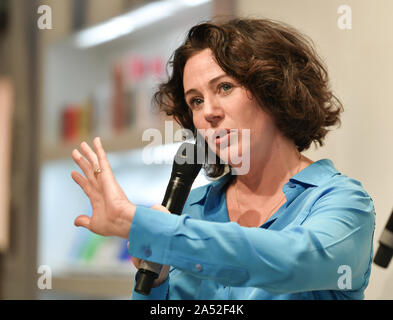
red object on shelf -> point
(136, 68)
(157, 66)
(70, 123)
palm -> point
(106, 210)
(109, 203)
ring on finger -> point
(97, 172)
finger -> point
(162, 277)
(82, 182)
(136, 262)
(83, 221)
(93, 160)
(164, 271)
(90, 155)
(85, 166)
(107, 173)
(160, 207)
(101, 155)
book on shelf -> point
(112, 108)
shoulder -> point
(326, 180)
(332, 193)
(344, 199)
(342, 188)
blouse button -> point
(147, 252)
(198, 267)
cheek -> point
(198, 121)
(257, 121)
(243, 111)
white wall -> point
(360, 65)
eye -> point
(226, 87)
(195, 102)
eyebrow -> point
(211, 82)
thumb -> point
(136, 262)
(82, 221)
(160, 207)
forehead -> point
(201, 67)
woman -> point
(288, 228)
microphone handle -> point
(175, 197)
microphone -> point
(385, 250)
(184, 171)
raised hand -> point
(112, 211)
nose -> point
(212, 111)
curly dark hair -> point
(271, 59)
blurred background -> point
(71, 70)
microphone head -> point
(188, 161)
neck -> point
(271, 168)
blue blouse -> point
(318, 245)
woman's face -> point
(220, 106)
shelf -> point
(99, 286)
(124, 141)
(95, 281)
